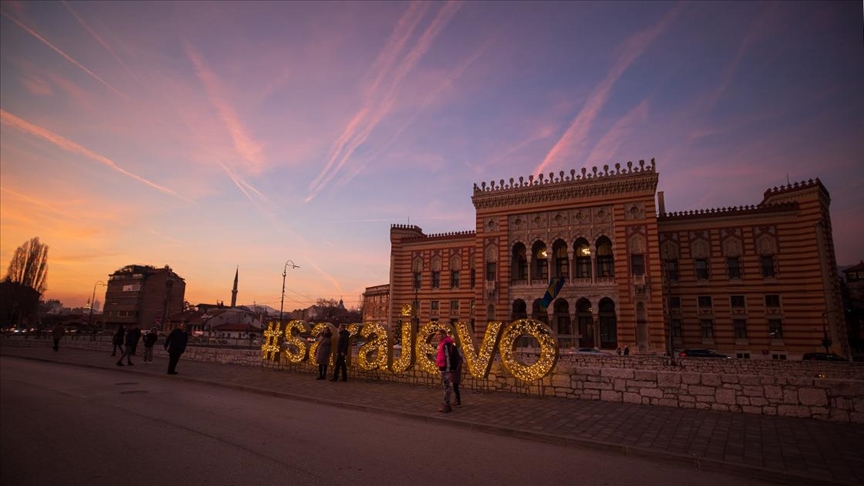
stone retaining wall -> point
(819, 390)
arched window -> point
(608, 325)
(540, 263)
(519, 264)
(583, 259)
(605, 260)
(562, 259)
(455, 265)
(561, 312)
(417, 268)
(436, 272)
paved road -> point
(785, 449)
(73, 425)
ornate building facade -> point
(754, 281)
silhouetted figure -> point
(175, 344)
(342, 348)
(117, 341)
(57, 333)
(322, 354)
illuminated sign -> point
(417, 347)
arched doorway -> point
(586, 323)
(563, 325)
(608, 324)
(520, 310)
(539, 312)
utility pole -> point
(284, 274)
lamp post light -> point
(92, 301)
(284, 274)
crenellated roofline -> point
(730, 211)
(619, 180)
(783, 191)
(441, 236)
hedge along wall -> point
(819, 390)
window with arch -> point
(605, 260)
(519, 263)
(436, 273)
(540, 262)
(766, 262)
(455, 264)
(562, 259)
(583, 258)
(417, 268)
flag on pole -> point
(552, 290)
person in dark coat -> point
(149, 341)
(446, 364)
(456, 376)
(175, 344)
(117, 341)
(322, 354)
(131, 341)
(342, 354)
(57, 333)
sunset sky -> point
(212, 136)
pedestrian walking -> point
(445, 364)
(131, 339)
(175, 344)
(57, 333)
(618, 350)
(456, 376)
(342, 354)
(117, 341)
(149, 341)
(626, 350)
(322, 354)
(136, 336)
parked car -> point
(823, 357)
(594, 351)
(701, 353)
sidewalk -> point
(781, 449)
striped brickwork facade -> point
(530, 231)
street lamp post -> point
(284, 274)
(92, 302)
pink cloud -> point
(63, 54)
(383, 93)
(607, 148)
(37, 86)
(70, 146)
(250, 150)
(574, 138)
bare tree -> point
(29, 265)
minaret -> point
(234, 291)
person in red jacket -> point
(446, 365)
